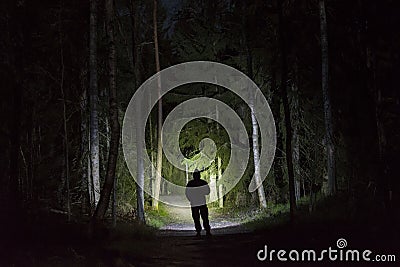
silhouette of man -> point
(196, 191)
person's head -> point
(196, 175)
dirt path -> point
(221, 249)
(232, 247)
(182, 224)
(228, 246)
(64, 245)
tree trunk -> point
(136, 57)
(256, 153)
(378, 118)
(286, 108)
(140, 185)
(295, 139)
(114, 203)
(87, 181)
(29, 141)
(15, 80)
(160, 115)
(256, 157)
(66, 152)
(94, 120)
(114, 123)
(255, 145)
(15, 144)
(186, 173)
(278, 161)
(151, 153)
(90, 177)
(221, 195)
(219, 175)
(140, 172)
(330, 148)
(368, 43)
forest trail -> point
(183, 223)
(65, 244)
(240, 249)
(221, 249)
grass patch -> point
(270, 217)
(327, 209)
(158, 218)
(134, 230)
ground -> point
(182, 223)
(51, 241)
(240, 249)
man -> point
(196, 191)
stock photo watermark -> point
(212, 73)
(334, 254)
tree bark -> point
(140, 172)
(136, 58)
(255, 146)
(286, 108)
(66, 151)
(160, 115)
(256, 152)
(15, 81)
(151, 153)
(186, 172)
(85, 149)
(114, 123)
(295, 138)
(330, 148)
(93, 90)
(368, 43)
(114, 203)
(219, 176)
(256, 157)
(278, 161)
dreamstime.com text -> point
(330, 254)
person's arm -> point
(207, 189)
(187, 193)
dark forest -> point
(74, 194)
